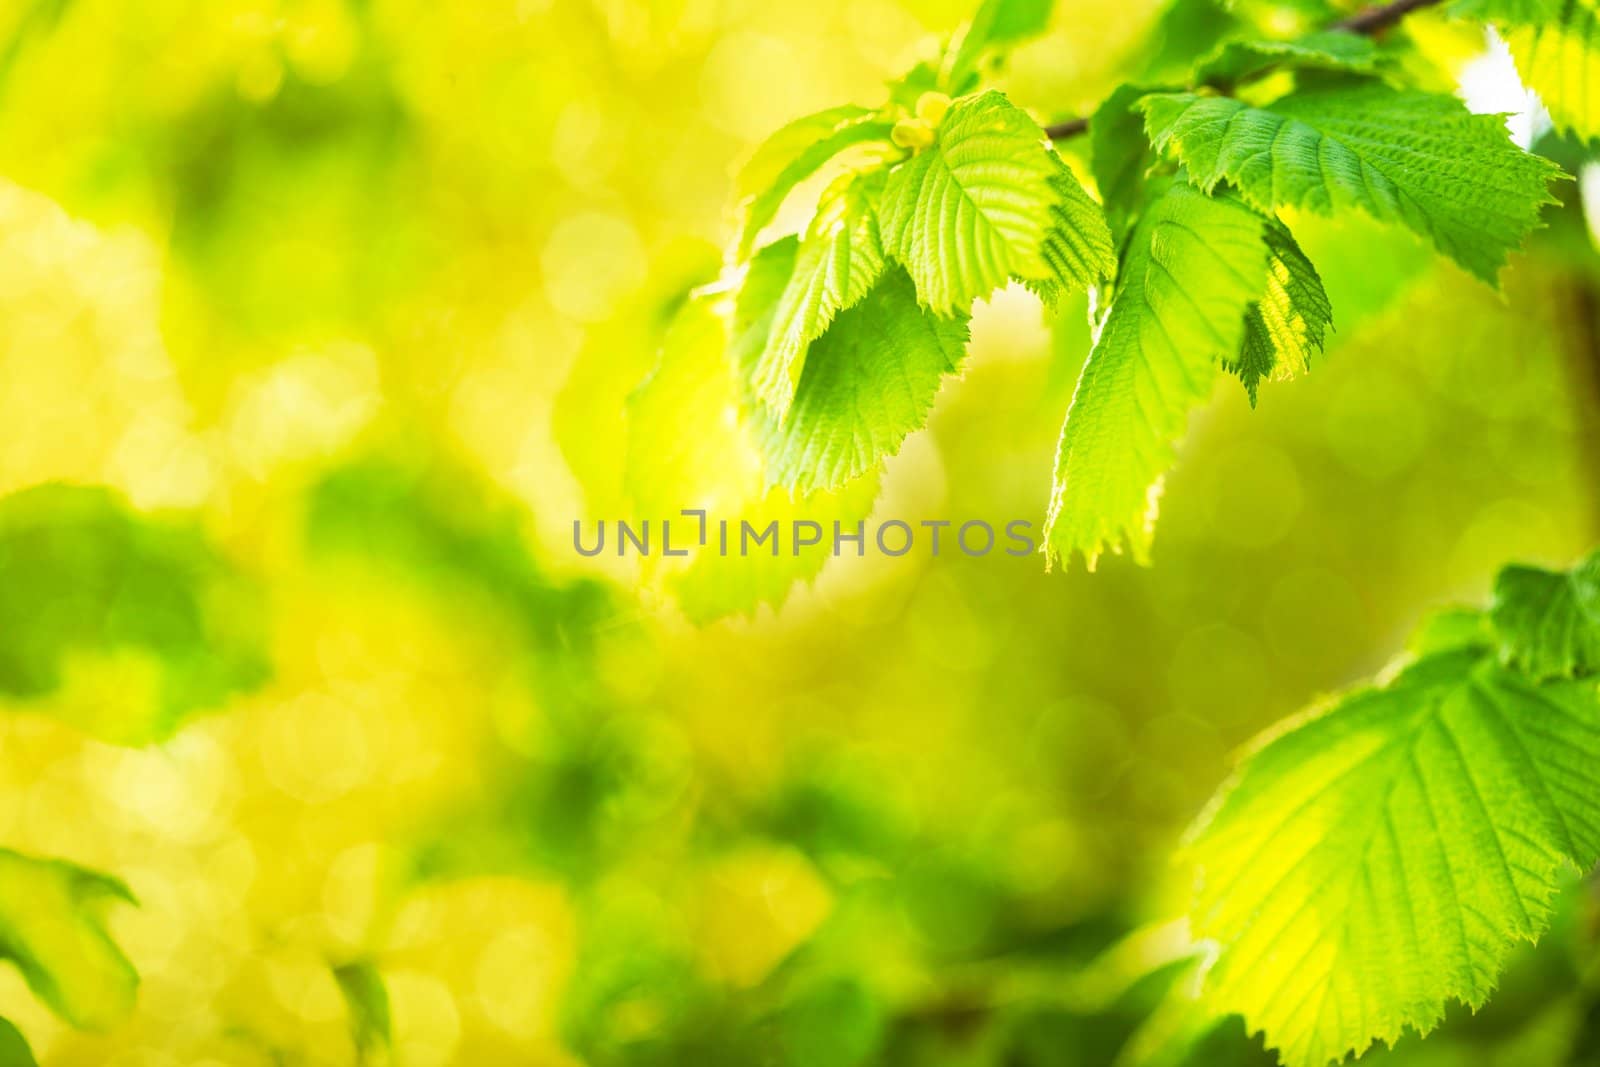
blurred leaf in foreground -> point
(433, 523)
(52, 927)
(14, 1050)
(367, 999)
(135, 620)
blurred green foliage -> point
(52, 924)
(85, 583)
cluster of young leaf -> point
(845, 335)
(838, 340)
(1378, 856)
(831, 346)
(1210, 277)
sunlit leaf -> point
(1077, 246)
(689, 448)
(1193, 266)
(996, 25)
(792, 155)
(1556, 46)
(1379, 858)
(836, 266)
(1331, 50)
(1285, 328)
(976, 208)
(868, 383)
(1403, 156)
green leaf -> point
(907, 89)
(1379, 857)
(837, 264)
(1185, 29)
(1549, 621)
(52, 927)
(367, 1000)
(755, 311)
(686, 449)
(1327, 50)
(1414, 158)
(1120, 154)
(14, 1050)
(1285, 328)
(131, 623)
(1556, 46)
(1193, 266)
(997, 24)
(792, 155)
(683, 439)
(1450, 630)
(588, 421)
(976, 207)
(868, 383)
(1077, 247)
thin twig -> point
(1060, 131)
(1376, 19)
(1367, 23)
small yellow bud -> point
(912, 133)
(931, 107)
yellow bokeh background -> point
(249, 247)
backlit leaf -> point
(1378, 858)
(792, 155)
(836, 265)
(997, 24)
(1556, 46)
(1329, 50)
(977, 207)
(1414, 158)
(1285, 328)
(1193, 266)
(868, 383)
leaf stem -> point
(1366, 23)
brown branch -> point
(1060, 131)
(1377, 19)
(1367, 23)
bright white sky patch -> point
(1490, 85)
